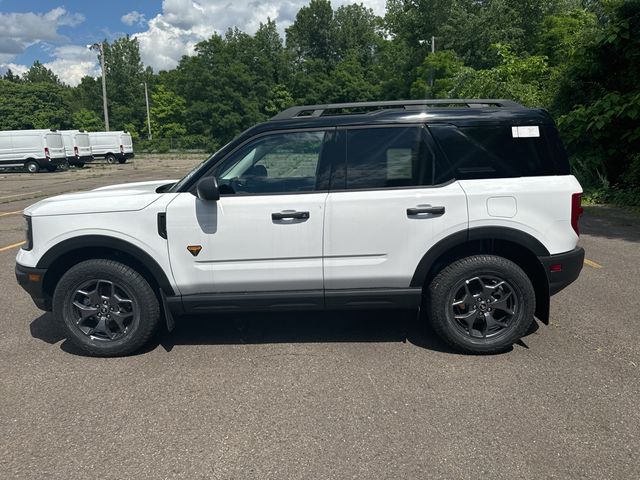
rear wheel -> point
(32, 166)
(110, 158)
(481, 304)
(107, 308)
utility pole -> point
(433, 50)
(146, 98)
(100, 48)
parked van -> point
(32, 149)
(112, 146)
(77, 147)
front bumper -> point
(32, 280)
(563, 269)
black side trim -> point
(374, 298)
(296, 300)
(420, 275)
(34, 288)
(162, 224)
(510, 234)
(479, 233)
(572, 263)
(99, 241)
(225, 302)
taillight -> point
(121, 149)
(576, 211)
(75, 151)
(46, 153)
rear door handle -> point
(426, 209)
(290, 214)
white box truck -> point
(112, 146)
(77, 147)
(32, 149)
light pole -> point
(146, 98)
(99, 47)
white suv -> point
(463, 208)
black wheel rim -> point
(103, 310)
(483, 307)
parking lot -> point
(324, 395)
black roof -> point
(456, 112)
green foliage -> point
(525, 80)
(167, 113)
(38, 73)
(28, 105)
(88, 120)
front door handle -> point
(426, 209)
(290, 214)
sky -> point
(57, 32)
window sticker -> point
(525, 132)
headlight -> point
(28, 233)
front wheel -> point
(107, 308)
(481, 304)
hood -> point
(125, 197)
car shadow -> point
(384, 326)
(611, 222)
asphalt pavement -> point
(324, 395)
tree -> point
(125, 74)
(11, 77)
(523, 79)
(167, 113)
(38, 73)
(87, 120)
(313, 33)
(28, 105)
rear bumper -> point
(43, 162)
(80, 159)
(32, 281)
(127, 155)
(563, 269)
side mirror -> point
(207, 189)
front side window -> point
(391, 157)
(276, 163)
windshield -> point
(178, 185)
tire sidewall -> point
(111, 271)
(475, 266)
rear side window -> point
(494, 152)
(391, 157)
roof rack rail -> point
(307, 111)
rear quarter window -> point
(493, 152)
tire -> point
(111, 158)
(481, 304)
(120, 293)
(122, 160)
(32, 166)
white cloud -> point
(133, 18)
(15, 68)
(183, 23)
(72, 62)
(19, 31)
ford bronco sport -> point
(465, 209)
